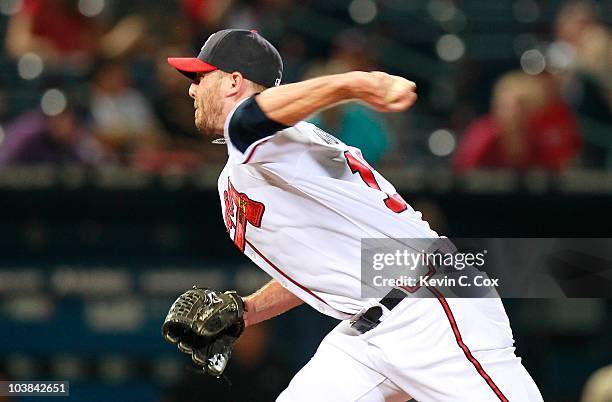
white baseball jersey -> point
(298, 203)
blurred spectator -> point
(353, 123)
(64, 37)
(207, 15)
(586, 43)
(122, 118)
(599, 386)
(37, 138)
(173, 107)
(578, 26)
(353, 50)
(266, 16)
(554, 127)
(292, 48)
(184, 148)
(529, 127)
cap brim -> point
(190, 66)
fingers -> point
(391, 93)
(399, 104)
(399, 91)
(402, 103)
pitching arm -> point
(268, 302)
(291, 103)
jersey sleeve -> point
(253, 137)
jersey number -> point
(246, 211)
(394, 202)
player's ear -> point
(236, 84)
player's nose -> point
(192, 90)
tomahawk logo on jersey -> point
(297, 201)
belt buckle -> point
(368, 320)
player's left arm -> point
(205, 323)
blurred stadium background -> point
(108, 200)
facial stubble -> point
(209, 112)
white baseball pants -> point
(433, 349)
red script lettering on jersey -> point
(247, 212)
(394, 202)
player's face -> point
(205, 91)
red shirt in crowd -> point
(66, 29)
(553, 140)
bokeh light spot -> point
(441, 10)
(450, 47)
(533, 62)
(30, 66)
(91, 8)
(362, 11)
(526, 11)
(53, 102)
(441, 142)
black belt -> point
(371, 318)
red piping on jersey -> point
(280, 271)
(253, 150)
(463, 346)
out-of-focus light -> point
(362, 11)
(168, 371)
(526, 11)
(30, 308)
(10, 7)
(441, 142)
(533, 62)
(68, 367)
(2, 135)
(524, 42)
(441, 10)
(91, 8)
(30, 66)
(560, 56)
(114, 369)
(53, 102)
(456, 24)
(20, 366)
(450, 47)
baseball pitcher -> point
(297, 201)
